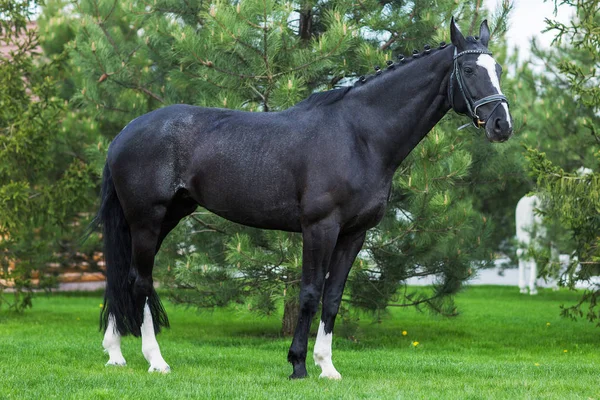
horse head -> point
(474, 87)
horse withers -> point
(323, 167)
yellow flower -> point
(537, 364)
(404, 333)
(100, 305)
(547, 323)
(415, 344)
(565, 351)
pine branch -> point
(475, 17)
(234, 37)
(209, 226)
(112, 8)
(210, 64)
(394, 36)
(308, 64)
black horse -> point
(323, 167)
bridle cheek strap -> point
(472, 106)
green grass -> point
(491, 351)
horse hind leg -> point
(181, 206)
(112, 343)
(144, 239)
(150, 348)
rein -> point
(471, 104)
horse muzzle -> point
(497, 129)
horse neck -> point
(394, 111)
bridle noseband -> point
(471, 105)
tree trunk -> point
(306, 24)
(290, 315)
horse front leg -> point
(345, 253)
(319, 241)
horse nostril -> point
(501, 125)
(497, 125)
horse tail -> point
(118, 295)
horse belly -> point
(260, 203)
(282, 218)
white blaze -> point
(150, 347)
(112, 343)
(486, 61)
(322, 354)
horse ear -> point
(484, 33)
(456, 36)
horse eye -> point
(468, 70)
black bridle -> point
(471, 104)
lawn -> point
(503, 346)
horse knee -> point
(309, 299)
(330, 308)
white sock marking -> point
(150, 347)
(486, 61)
(322, 354)
(112, 343)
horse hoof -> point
(533, 292)
(333, 375)
(163, 369)
(524, 291)
(299, 371)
